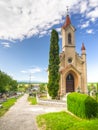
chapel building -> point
(73, 67)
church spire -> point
(68, 21)
(83, 47)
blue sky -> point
(25, 28)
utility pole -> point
(29, 82)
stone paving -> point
(22, 116)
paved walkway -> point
(22, 116)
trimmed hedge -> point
(82, 105)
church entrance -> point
(69, 83)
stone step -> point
(51, 102)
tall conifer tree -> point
(53, 68)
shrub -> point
(82, 105)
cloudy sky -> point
(25, 27)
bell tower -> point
(68, 40)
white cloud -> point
(93, 3)
(5, 44)
(34, 74)
(90, 31)
(93, 13)
(32, 70)
(58, 29)
(26, 18)
(83, 6)
(84, 25)
(23, 71)
(60, 36)
(93, 19)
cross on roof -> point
(67, 10)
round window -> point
(69, 60)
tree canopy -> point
(7, 83)
(53, 68)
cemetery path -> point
(22, 116)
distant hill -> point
(27, 82)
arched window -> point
(69, 38)
(70, 77)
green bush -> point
(82, 105)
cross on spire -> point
(68, 21)
(67, 10)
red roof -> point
(83, 47)
(67, 22)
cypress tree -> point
(53, 68)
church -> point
(73, 67)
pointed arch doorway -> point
(69, 83)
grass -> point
(32, 100)
(6, 105)
(65, 121)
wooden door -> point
(70, 83)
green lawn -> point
(65, 121)
(32, 100)
(6, 105)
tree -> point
(14, 85)
(43, 87)
(4, 81)
(53, 68)
(7, 83)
